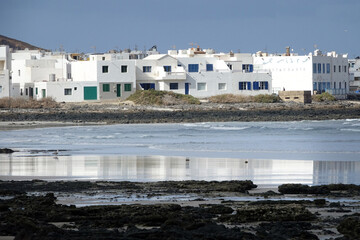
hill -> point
(17, 44)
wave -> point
(350, 129)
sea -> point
(268, 153)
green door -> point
(118, 90)
(90, 93)
(43, 93)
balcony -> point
(174, 76)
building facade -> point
(314, 72)
(5, 68)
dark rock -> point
(6, 150)
(350, 227)
(285, 230)
(320, 202)
(289, 212)
(303, 189)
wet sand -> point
(177, 210)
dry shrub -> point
(324, 97)
(28, 103)
(153, 97)
(231, 98)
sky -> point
(226, 25)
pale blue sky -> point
(224, 25)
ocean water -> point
(311, 152)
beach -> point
(142, 210)
(125, 113)
(76, 201)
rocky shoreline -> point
(218, 210)
(123, 113)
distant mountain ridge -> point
(17, 44)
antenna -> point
(192, 44)
(173, 47)
(94, 47)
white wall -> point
(56, 90)
(290, 73)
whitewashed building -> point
(201, 73)
(113, 76)
(354, 71)
(314, 72)
(5, 68)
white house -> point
(201, 73)
(354, 71)
(314, 72)
(5, 68)
(113, 76)
(33, 66)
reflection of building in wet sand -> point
(158, 168)
(336, 172)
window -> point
(339, 68)
(334, 68)
(229, 66)
(106, 87)
(123, 68)
(167, 68)
(193, 67)
(314, 67)
(319, 68)
(314, 86)
(127, 87)
(339, 85)
(174, 86)
(209, 67)
(69, 75)
(0, 89)
(103, 58)
(67, 91)
(323, 68)
(222, 86)
(26, 91)
(146, 68)
(334, 85)
(75, 88)
(247, 68)
(105, 69)
(19, 72)
(264, 86)
(328, 68)
(201, 86)
(36, 91)
(344, 68)
(256, 86)
(244, 85)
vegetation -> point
(153, 97)
(323, 97)
(266, 98)
(28, 103)
(231, 98)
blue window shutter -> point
(266, 85)
(152, 85)
(314, 67)
(251, 68)
(248, 85)
(315, 86)
(255, 86)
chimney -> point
(287, 51)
